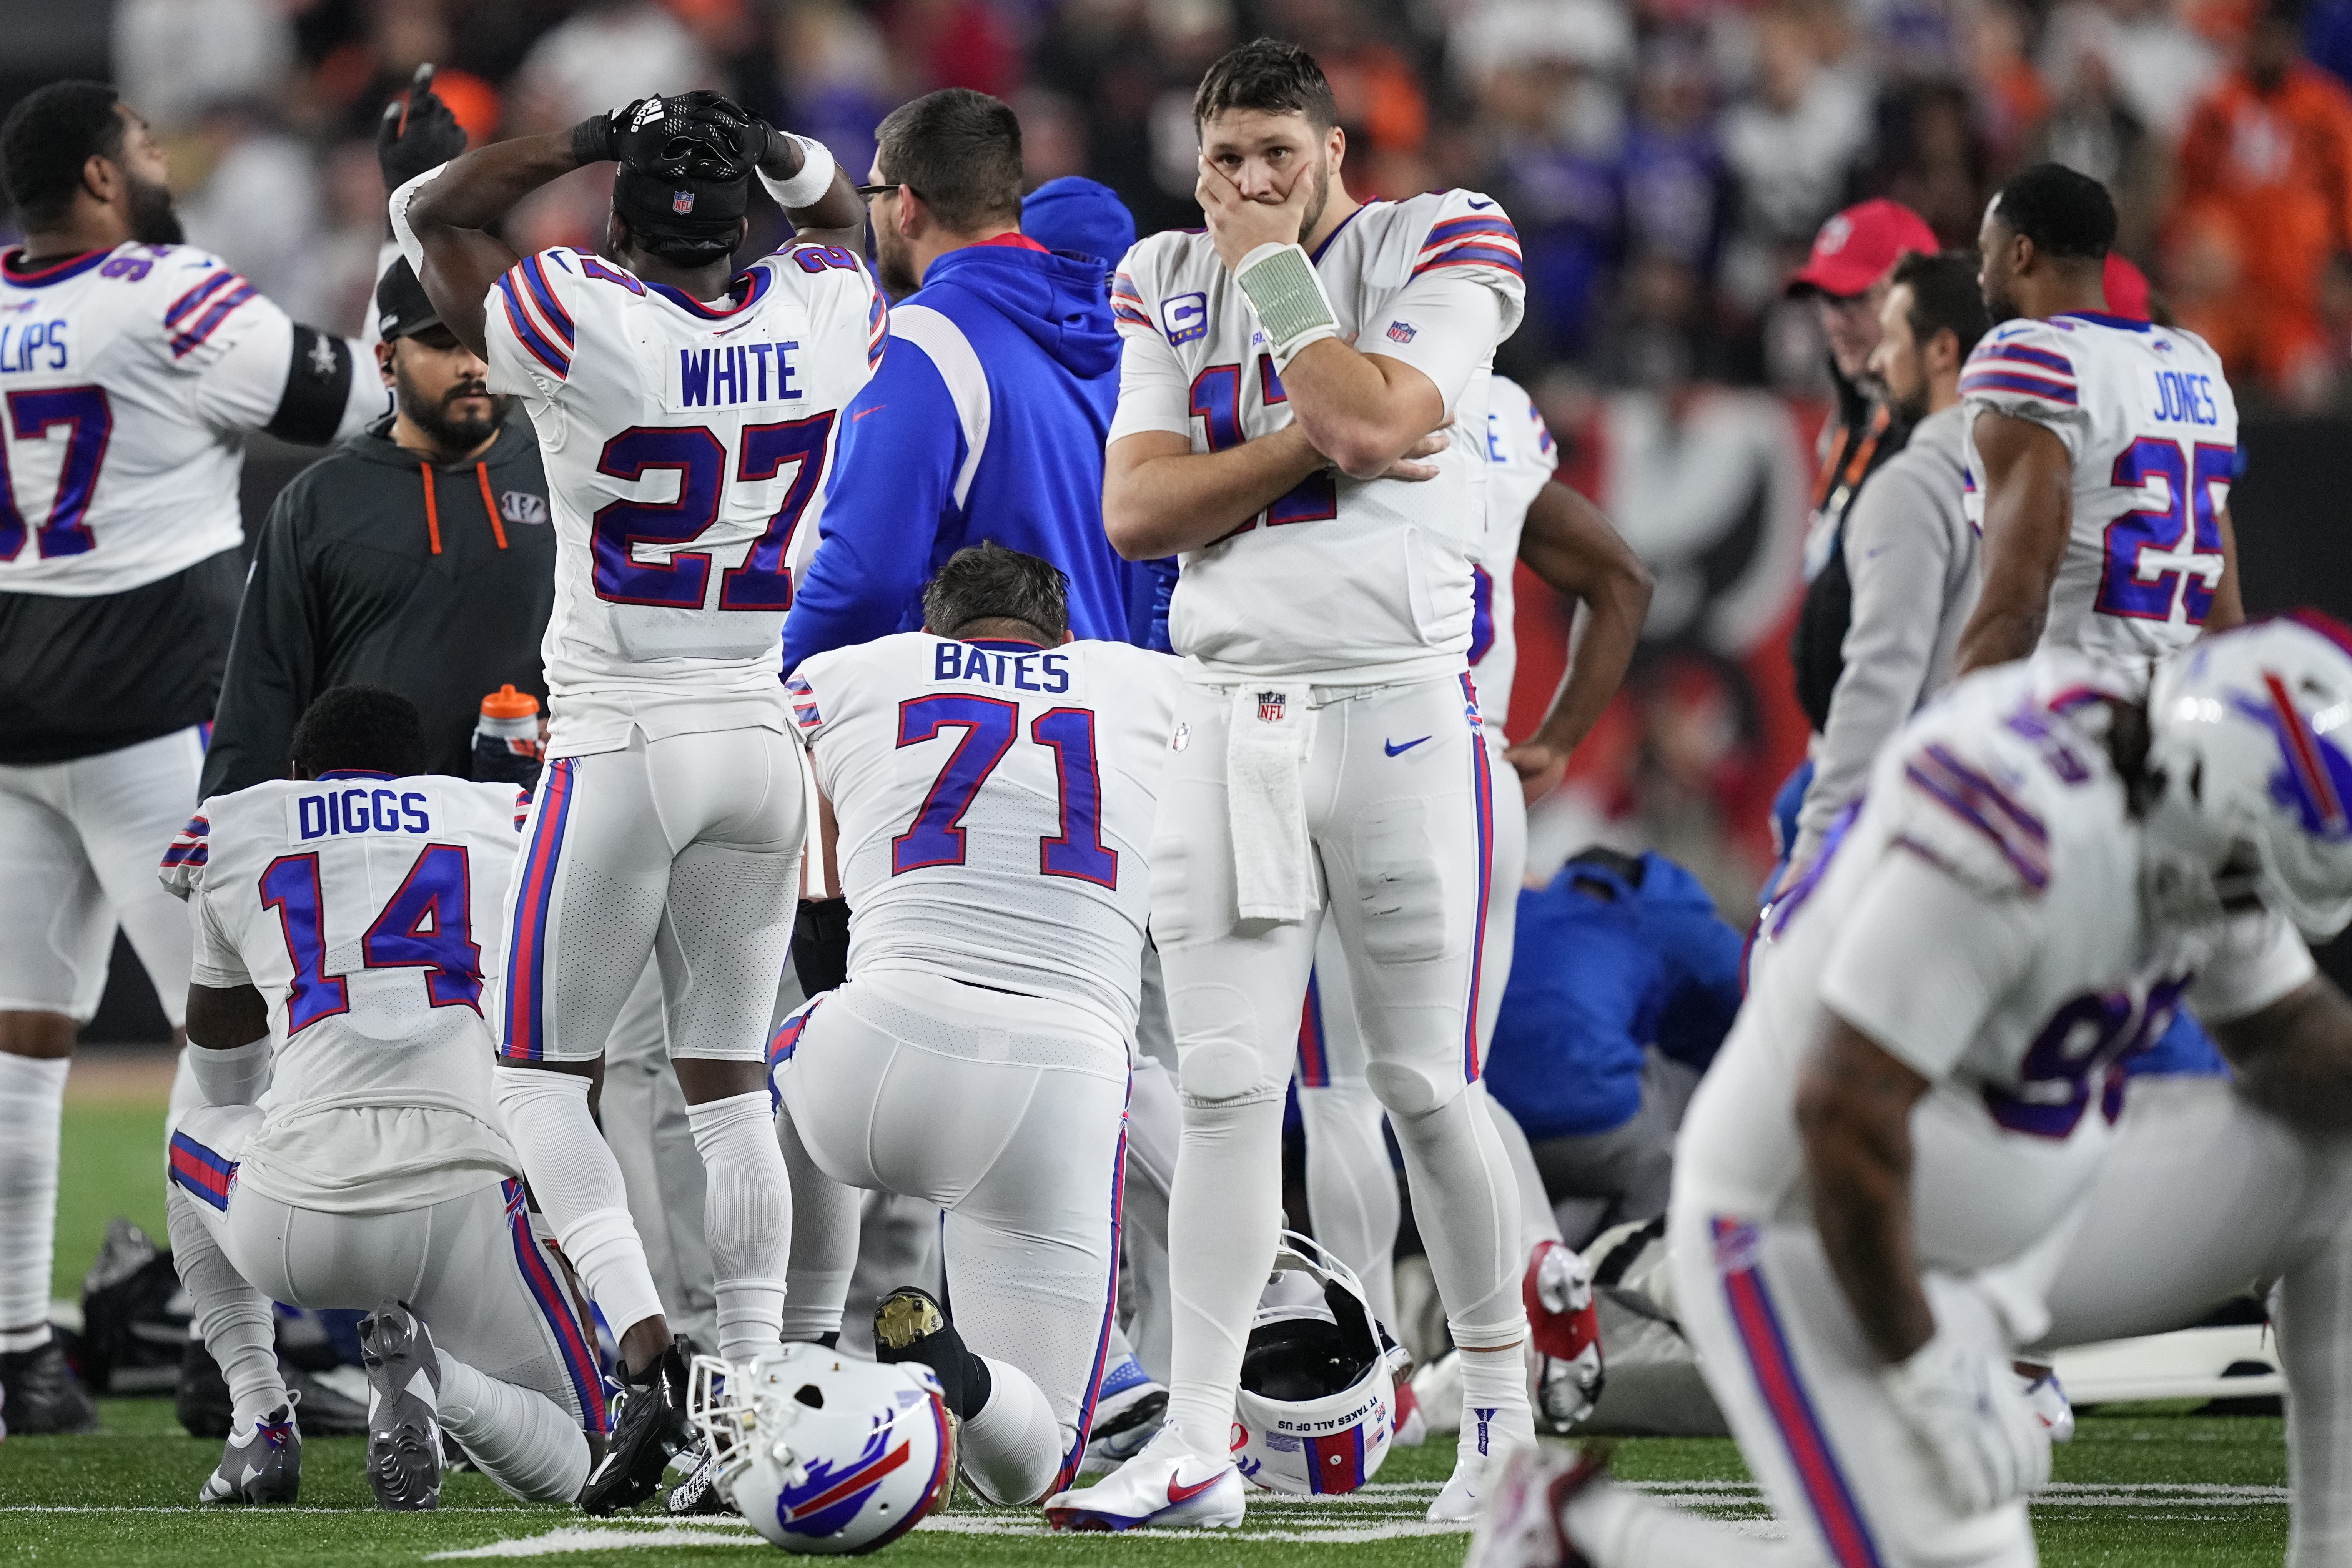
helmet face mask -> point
(822, 1453)
(2246, 735)
(1316, 1407)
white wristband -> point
(806, 188)
(233, 1076)
(1283, 290)
(402, 234)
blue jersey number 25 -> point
(2147, 570)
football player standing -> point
(2099, 449)
(686, 410)
(131, 367)
(1301, 416)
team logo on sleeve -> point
(1402, 332)
(1187, 316)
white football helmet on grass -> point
(822, 1452)
(1317, 1408)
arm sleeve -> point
(898, 451)
(1922, 959)
(1153, 394)
(1896, 556)
(2026, 370)
(272, 661)
(2253, 969)
(1445, 324)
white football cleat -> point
(1165, 1486)
(2047, 1398)
(1457, 1502)
(1521, 1524)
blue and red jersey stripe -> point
(1068, 1474)
(202, 1171)
(1313, 1057)
(527, 332)
(2033, 385)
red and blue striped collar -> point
(742, 294)
(17, 275)
(1341, 228)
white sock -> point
(1617, 1527)
(521, 1439)
(32, 1105)
(824, 1242)
(747, 1217)
(1538, 1223)
(1222, 1217)
(579, 1188)
(232, 1318)
(1351, 1191)
(1011, 1449)
(1468, 1203)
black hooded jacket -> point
(376, 569)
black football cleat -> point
(910, 1325)
(41, 1395)
(262, 1466)
(403, 1449)
(649, 1429)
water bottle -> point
(507, 748)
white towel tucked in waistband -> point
(1266, 791)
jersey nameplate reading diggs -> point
(357, 808)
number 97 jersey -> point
(995, 802)
(2151, 429)
(686, 445)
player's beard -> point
(152, 220)
(451, 432)
(1322, 199)
(2000, 306)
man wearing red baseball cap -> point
(1846, 277)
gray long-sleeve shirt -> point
(1913, 560)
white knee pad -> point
(1405, 1090)
(1219, 1059)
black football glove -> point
(417, 134)
(696, 135)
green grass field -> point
(2147, 1489)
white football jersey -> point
(2147, 418)
(1979, 917)
(364, 909)
(996, 804)
(1520, 459)
(1350, 582)
(686, 448)
(130, 376)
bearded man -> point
(434, 581)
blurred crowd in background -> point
(1666, 162)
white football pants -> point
(471, 1267)
(1400, 822)
(1009, 1112)
(2201, 1198)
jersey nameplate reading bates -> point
(1045, 672)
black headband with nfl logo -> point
(666, 206)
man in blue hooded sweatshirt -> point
(988, 417)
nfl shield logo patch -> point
(681, 201)
(1402, 332)
(1269, 706)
